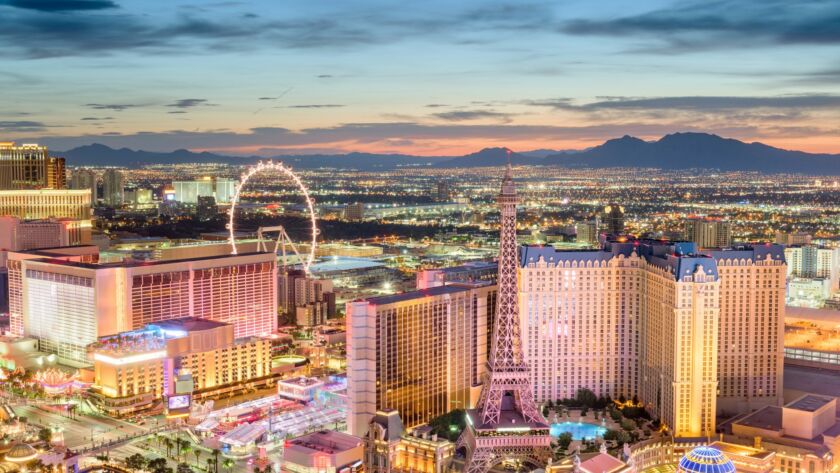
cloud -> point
(697, 103)
(189, 103)
(60, 5)
(713, 24)
(95, 119)
(48, 32)
(117, 107)
(21, 126)
(467, 115)
(316, 105)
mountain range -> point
(674, 151)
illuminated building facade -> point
(804, 434)
(29, 166)
(657, 320)
(587, 232)
(190, 356)
(811, 261)
(67, 305)
(14, 264)
(84, 179)
(708, 232)
(308, 301)
(18, 235)
(751, 327)
(324, 451)
(113, 188)
(422, 353)
(679, 342)
(188, 192)
(46, 203)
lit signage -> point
(181, 401)
(153, 355)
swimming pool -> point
(579, 430)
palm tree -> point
(210, 462)
(197, 452)
(216, 452)
(185, 450)
(228, 464)
(167, 442)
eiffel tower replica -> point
(506, 424)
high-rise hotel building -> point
(691, 334)
(67, 304)
(423, 353)
(29, 166)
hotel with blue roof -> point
(691, 333)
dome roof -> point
(705, 460)
(21, 453)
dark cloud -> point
(176, 112)
(20, 126)
(60, 5)
(189, 103)
(50, 33)
(316, 105)
(697, 103)
(702, 25)
(436, 105)
(96, 119)
(117, 107)
(467, 115)
(324, 76)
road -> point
(78, 431)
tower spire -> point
(507, 400)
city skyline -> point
(430, 79)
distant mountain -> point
(490, 157)
(541, 153)
(675, 151)
(101, 155)
(698, 150)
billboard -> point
(179, 401)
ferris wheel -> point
(283, 239)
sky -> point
(416, 77)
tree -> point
(564, 440)
(210, 463)
(135, 462)
(167, 442)
(586, 397)
(628, 424)
(184, 468)
(228, 464)
(156, 464)
(45, 435)
(449, 425)
(185, 450)
(197, 452)
(216, 452)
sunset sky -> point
(417, 77)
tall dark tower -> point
(506, 424)
(614, 219)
